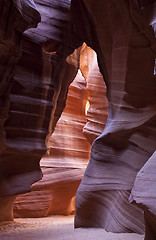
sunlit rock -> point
(64, 164)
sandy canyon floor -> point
(57, 228)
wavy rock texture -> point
(31, 98)
(11, 20)
(15, 17)
(144, 195)
(68, 150)
(97, 111)
(64, 165)
(125, 46)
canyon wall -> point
(68, 150)
(97, 111)
(64, 164)
(121, 159)
(32, 98)
(38, 93)
(14, 20)
(125, 46)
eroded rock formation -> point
(39, 86)
(31, 98)
(97, 111)
(144, 195)
(14, 21)
(63, 166)
(68, 150)
(15, 17)
(124, 41)
(121, 37)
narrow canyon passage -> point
(77, 119)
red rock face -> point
(65, 162)
(68, 150)
(97, 111)
(39, 86)
(125, 46)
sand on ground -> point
(57, 228)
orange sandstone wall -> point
(97, 102)
(69, 146)
(63, 166)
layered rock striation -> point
(124, 41)
(39, 91)
(143, 194)
(97, 105)
(15, 18)
(125, 46)
(65, 162)
(32, 98)
(68, 150)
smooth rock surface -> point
(64, 164)
(15, 18)
(125, 46)
(31, 99)
(144, 195)
(97, 111)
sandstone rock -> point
(37, 87)
(144, 195)
(125, 46)
(6, 208)
(38, 98)
(65, 162)
(13, 21)
(15, 17)
(31, 99)
(97, 111)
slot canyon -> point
(78, 119)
